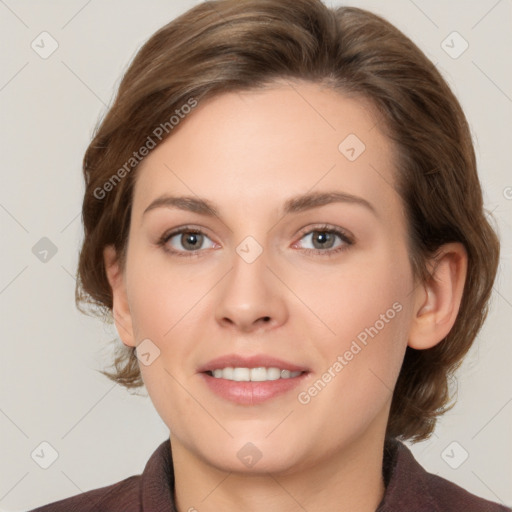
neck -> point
(349, 480)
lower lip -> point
(251, 393)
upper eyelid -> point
(323, 227)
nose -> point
(251, 297)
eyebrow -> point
(293, 205)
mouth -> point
(251, 380)
(260, 374)
(242, 363)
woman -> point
(283, 216)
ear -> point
(438, 300)
(120, 307)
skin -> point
(248, 153)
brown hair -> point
(228, 45)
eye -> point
(323, 239)
(186, 241)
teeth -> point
(253, 374)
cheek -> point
(165, 303)
(369, 308)
(160, 294)
(151, 313)
(369, 312)
(354, 386)
(370, 340)
(363, 296)
(161, 309)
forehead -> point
(257, 148)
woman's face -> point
(324, 287)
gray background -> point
(50, 389)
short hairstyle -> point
(223, 46)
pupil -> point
(322, 236)
(191, 238)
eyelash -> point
(344, 236)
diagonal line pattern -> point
(280, 423)
(76, 14)
(216, 487)
(94, 505)
(13, 217)
(115, 384)
(14, 76)
(492, 418)
(230, 269)
(287, 492)
(498, 292)
(14, 423)
(13, 13)
(384, 179)
(5, 495)
(13, 279)
(68, 272)
(289, 83)
(71, 71)
(383, 383)
(424, 13)
(199, 403)
(70, 222)
(497, 497)
(486, 14)
(492, 81)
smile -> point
(273, 383)
(260, 374)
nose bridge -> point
(250, 292)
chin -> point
(257, 456)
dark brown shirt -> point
(409, 488)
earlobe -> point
(120, 308)
(438, 299)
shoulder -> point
(150, 491)
(450, 496)
(410, 487)
(122, 496)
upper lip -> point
(254, 361)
